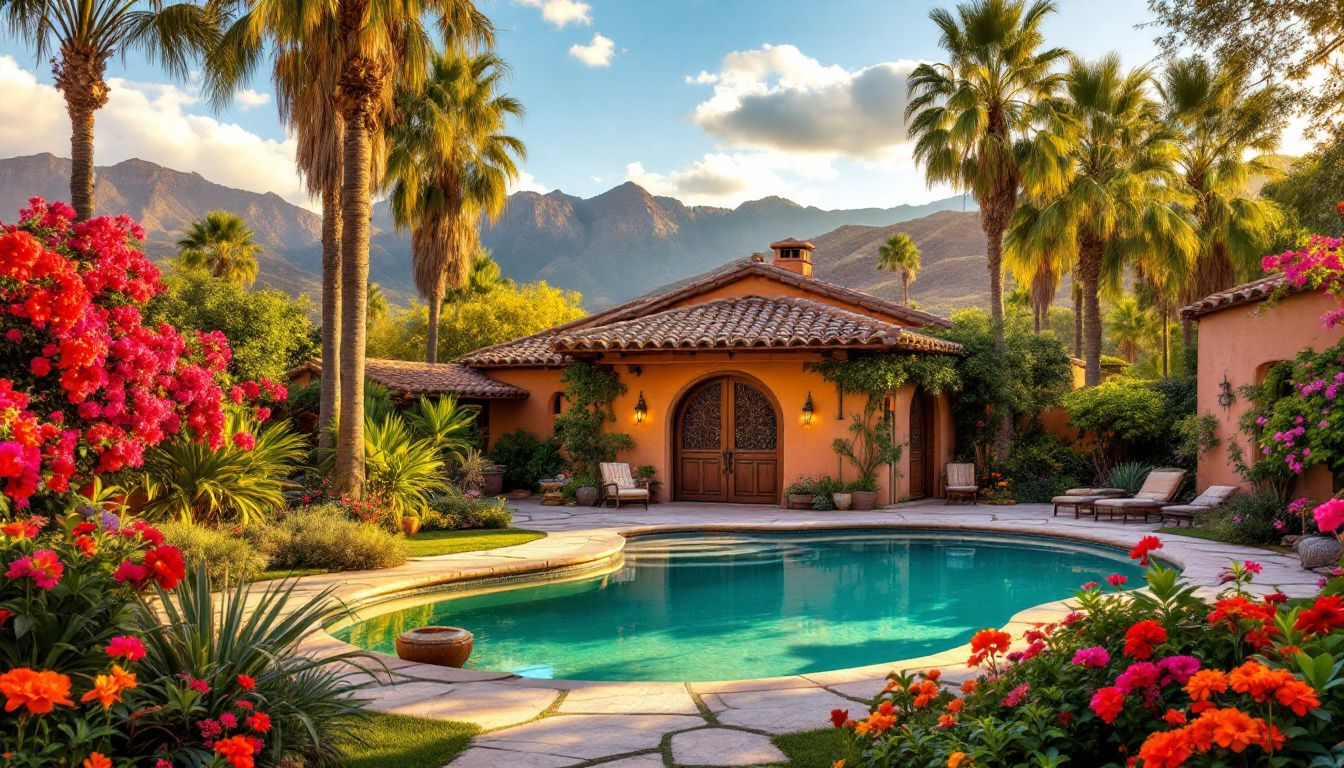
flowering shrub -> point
(1151, 679)
(1302, 428)
(88, 386)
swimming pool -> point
(723, 606)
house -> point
(717, 365)
(1240, 338)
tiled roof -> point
(429, 379)
(749, 322)
(537, 349)
(1247, 293)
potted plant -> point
(410, 524)
(824, 492)
(645, 475)
(870, 446)
(800, 492)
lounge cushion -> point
(1072, 499)
(963, 487)
(1128, 503)
(1184, 509)
(631, 493)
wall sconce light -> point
(641, 409)
(807, 410)
(1225, 396)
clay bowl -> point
(443, 646)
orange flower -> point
(954, 706)
(96, 760)
(969, 686)
(947, 721)
(1203, 684)
(960, 760)
(991, 640)
(933, 674)
(1166, 749)
(1263, 684)
(39, 691)
(838, 763)
(237, 750)
(107, 689)
(1174, 717)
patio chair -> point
(1159, 488)
(618, 485)
(961, 484)
(1212, 498)
(1081, 500)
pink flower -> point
(1096, 656)
(1140, 674)
(245, 440)
(1017, 695)
(44, 567)
(1089, 586)
(124, 646)
(1253, 567)
(1178, 669)
(1330, 515)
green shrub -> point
(821, 495)
(527, 459)
(1129, 475)
(1259, 517)
(454, 511)
(325, 537)
(403, 470)
(1125, 416)
(450, 427)
(227, 557)
(1040, 466)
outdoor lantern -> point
(641, 409)
(1225, 396)
(807, 410)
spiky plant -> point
(223, 244)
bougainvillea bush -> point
(1151, 679)
(86, 385)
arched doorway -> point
(727, 443)
(921, 446)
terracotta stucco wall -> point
(665, 378)
(1240, 343)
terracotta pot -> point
(864, 500)
(1318, 551)
(842, 500)
(410, 525)
(800, 501)
(442, 646)
(587, 496)
(492, 483)
(521, 493)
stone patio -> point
(531, 723)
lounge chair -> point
(961, 484)
(1212, 498)
(1159, 488)
(618, 485)
(1081, 500)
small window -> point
(789, 253)
(557, 403)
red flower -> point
(126, 647)
(166, 566)
(5, 616)
(1108, 703)
(261, 722)
(246, 683)
(1322, 617)
(1140, 638)
(1146, 545)
(130, 573)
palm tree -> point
(1119, 198)
(223, 244)
(84, 35)
(377, 308)
(969, 116)
(451, 161)
(1128, 327)
(1040, 273)
(1224, 125)
(900, 254)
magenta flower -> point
(1096, 656)
(1330, 515)
(44, 567)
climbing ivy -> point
(590, 390)
(877, 375)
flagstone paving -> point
(532, 723)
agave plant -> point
(448, 424)
(1128, 475)
(188, 481)
(402, 469)
(243, 644)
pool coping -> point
(597, 548)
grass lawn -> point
(431, 543)
(812, 749)
(1208, 535)
(408, 742)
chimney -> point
(794, 255)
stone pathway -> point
(531, 723)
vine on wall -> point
(590, 390)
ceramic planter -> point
(442, 646)
(800, 501)
(492, 483)
(842, 500)
(864, 500)
(587, 496)
(1318, 551)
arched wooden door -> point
(727, 444)
(921, 446)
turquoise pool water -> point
(731, 606)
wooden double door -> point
(921, 446)
(727, 444)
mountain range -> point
(612, 247)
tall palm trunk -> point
(994, 215)
(361, 79)
(79, 76)
(331, 313)
(905, 287)
(1077, 317)
(432, 342)
(1089, 271)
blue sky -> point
(711, 101)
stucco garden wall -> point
(1240, 343)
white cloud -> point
(526, 182)
(150, 121)
(250, 99)
(562, 12)
(595, 54)
(776, 97)
(728, 178)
